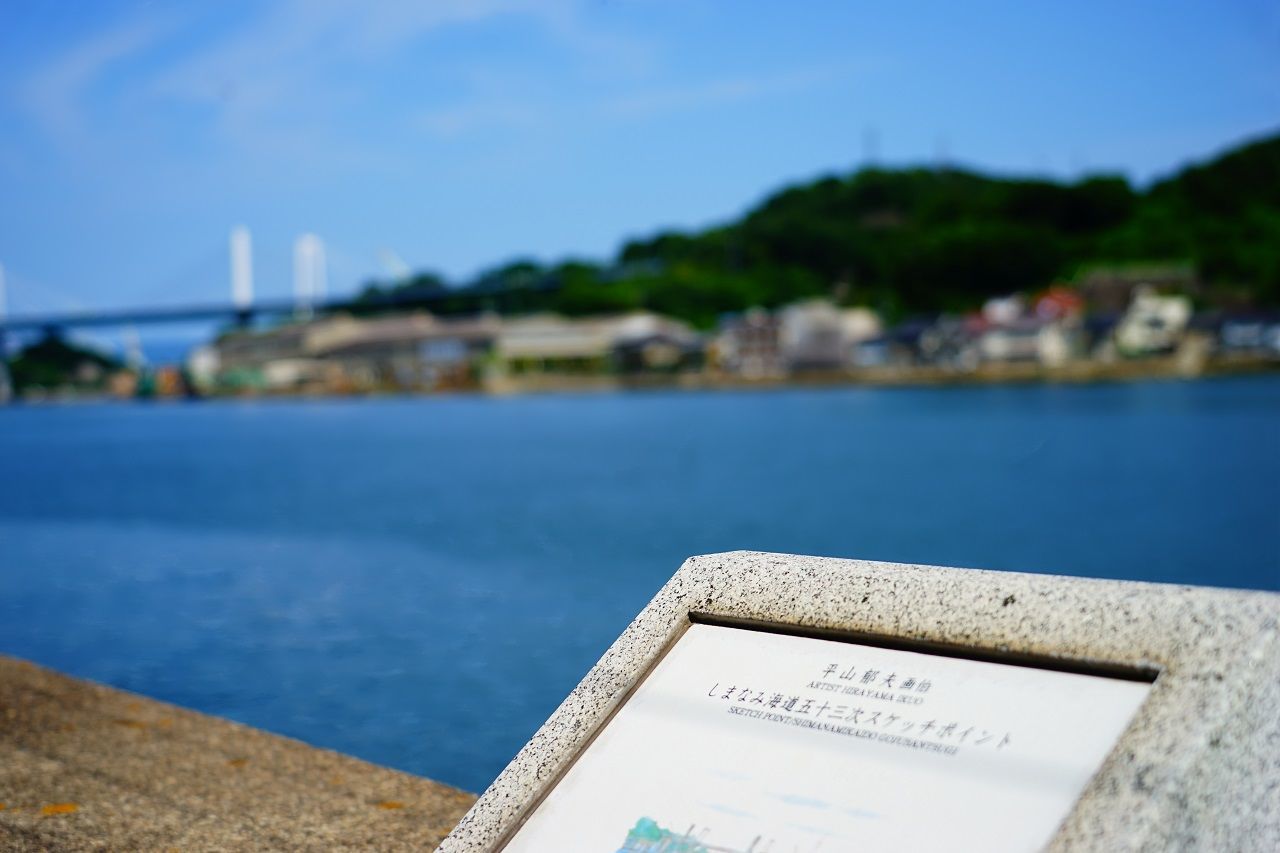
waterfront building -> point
(649, 343)
(1047, 332)
(1153, 323)
(550, 343)
(952, 343)
(1004, 310)
(202, 364)
(817, 335)
(1111, 290)
(811, 336)
(897, 347)
(1051, 343)
(1059, 303)
(276, 359)
(748, 345)
(1250, 335)
(250, 349)
(405, 351)
(342, 353)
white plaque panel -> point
(746, 741)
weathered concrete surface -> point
(1197, 769)
(87, 767)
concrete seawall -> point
(88, 767)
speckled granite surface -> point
(86, 767)
(1198, 769)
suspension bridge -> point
(310, 298)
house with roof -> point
(406, 351)
(818, 335)
(1153, 323)
(748, 345)
(1046, 330)
(635, 342)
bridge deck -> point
(84, 766)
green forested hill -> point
(916, 240)
(1223, 216)
(52, 362)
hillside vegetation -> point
(921, 240)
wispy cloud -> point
(463, 119)
(293, 73)
(607, 50)
(272, 58)
(54, 93)
(294, 77)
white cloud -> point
(281, 83)
(290, 77)
(299, 43)
(304, 89)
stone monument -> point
(768, 702)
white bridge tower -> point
(310, 277)
(241, 268)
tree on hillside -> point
(924, 240)
(53, 362)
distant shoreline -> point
(1080, 373)
(1083, 373)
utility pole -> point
(870, 147)
(942, 153)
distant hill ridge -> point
(923, 240)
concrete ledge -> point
(87, 767)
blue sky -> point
(133, 135)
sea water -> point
(419, 582)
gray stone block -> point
(1198, 768)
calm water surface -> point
(420, 582)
